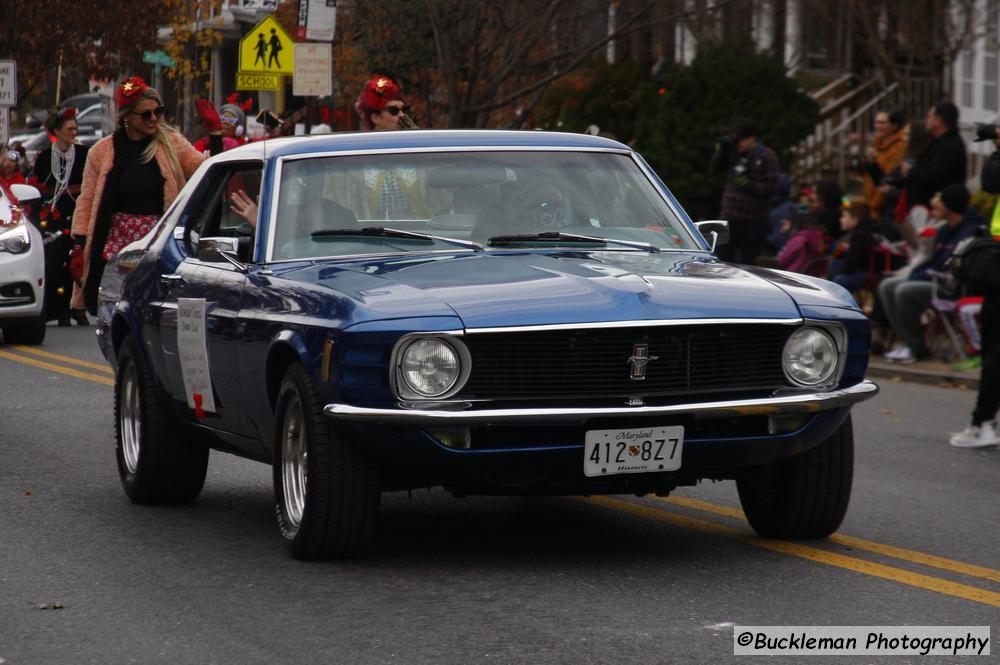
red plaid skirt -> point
(126, 228)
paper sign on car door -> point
(192, 350)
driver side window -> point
(226, 207)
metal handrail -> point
(861, 111)
(831, 86)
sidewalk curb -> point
(895, 371)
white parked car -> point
(22, 269)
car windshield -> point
(498, 199)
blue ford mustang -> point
(493, 312)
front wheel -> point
(326, 491)
(805, 497)
(31, 333)
(155, 465)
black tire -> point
(805, 497)
(155, 465)
(25, 333)
(331, 505)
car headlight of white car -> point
(430, 367)
(14, 239)
(810, 357)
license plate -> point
(645, 450)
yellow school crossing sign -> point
(267, 49)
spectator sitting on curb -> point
(903, 299)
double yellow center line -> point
(821, 555)
(101, 373)
(29, 355)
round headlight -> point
(810, 357)
(430, 367)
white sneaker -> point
(982, 436)
(901, 355)
(894, 354)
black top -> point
(990, 177)
(942, 163)
(47, 184)
(138, 186)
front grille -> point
(594, 363)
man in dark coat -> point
(942, 162)
(751, 182)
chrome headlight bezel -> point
(834, 337)
(403, 387)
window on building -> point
(991, 59)
(968, 71)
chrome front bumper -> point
(464, 414)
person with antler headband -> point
(58, 173)
(230, 122)
(130, 178)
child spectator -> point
(805, 247)
(850, 265)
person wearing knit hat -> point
(904, 299)
(955, 198)
(381, 106)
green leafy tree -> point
(676, 131)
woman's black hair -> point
(829, 195)
(56, 120)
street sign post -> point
(255, 81)
(267, 49)
(158, 58)
(8, 83)
(313, 70)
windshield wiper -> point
(386, 232)
(557, 235)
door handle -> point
(170, 280)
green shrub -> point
(676, 131)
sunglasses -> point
(396, 110)
(148, 115)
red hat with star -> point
(378, 92)
(129, 90)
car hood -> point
(562, 287)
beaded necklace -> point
(62, 169)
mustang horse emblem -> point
(639, 359)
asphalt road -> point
(87, 577)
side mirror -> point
(25, 193)
(219, 250)
(715, 231)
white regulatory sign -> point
(8, 83)
(192, 350)
(313, 75)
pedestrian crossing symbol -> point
(267, 49)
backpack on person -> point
(976, 262)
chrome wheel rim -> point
(293, 462)
(130, 418)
